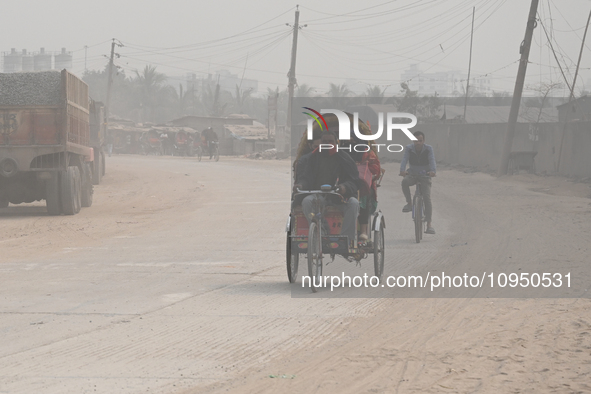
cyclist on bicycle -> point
(421, 160)
(208, 136)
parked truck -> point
(45, 145)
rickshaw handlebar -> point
(334, 192)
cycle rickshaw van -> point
(151, 142)
(321, 236)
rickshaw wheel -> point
(314, 255)
(378, 251)
(293, 260)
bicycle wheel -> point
(315, 255)
(199, 153)
(378, 251)
(216, 153)
(292, 259)
(418, 217)
(424, 226)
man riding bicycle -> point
(208, 136)
(421, 160)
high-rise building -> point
(14, 61)
(63, 60)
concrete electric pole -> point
(109, 82)
(292, 80)
(524, 50)
(110, 79)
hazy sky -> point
(369, 41)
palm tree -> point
(339, 94)
(410, 101)
(338, 90)
(242, 96)
(375, 94)
(150, 89)
(187, 101)
(282, 100)
(304, 91)
(282, 95)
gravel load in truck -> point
(34, 88)
(45, 141)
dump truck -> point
(45, 144)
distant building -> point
(15, 61)
(577, 110)
(239, 134)
(42, 60)
(445, 83)
(63, 60)
(28, 62)
(495, 114)
(200, 123)
(229, 81)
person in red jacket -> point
(368, 195)
(368, 200)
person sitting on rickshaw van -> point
(324, 166)
(304, 148)
(208, 136)
(368, 194)
(368, 198)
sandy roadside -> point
(463, 345)
(174, 282)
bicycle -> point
(315, 234)
(214, 150)
(418, 207)
(199, 153)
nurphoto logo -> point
(345, 129)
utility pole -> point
(524, 50)
(469, 64)
(216, 95)
(572, 92)
(109, 82)
(276, 111)
(292, 80)
(269, 105)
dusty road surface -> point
(174, 282)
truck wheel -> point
(87, 188)
(52, 194)
(70, 193)
(97, 168)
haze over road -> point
(174, 281)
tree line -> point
(147, 96)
